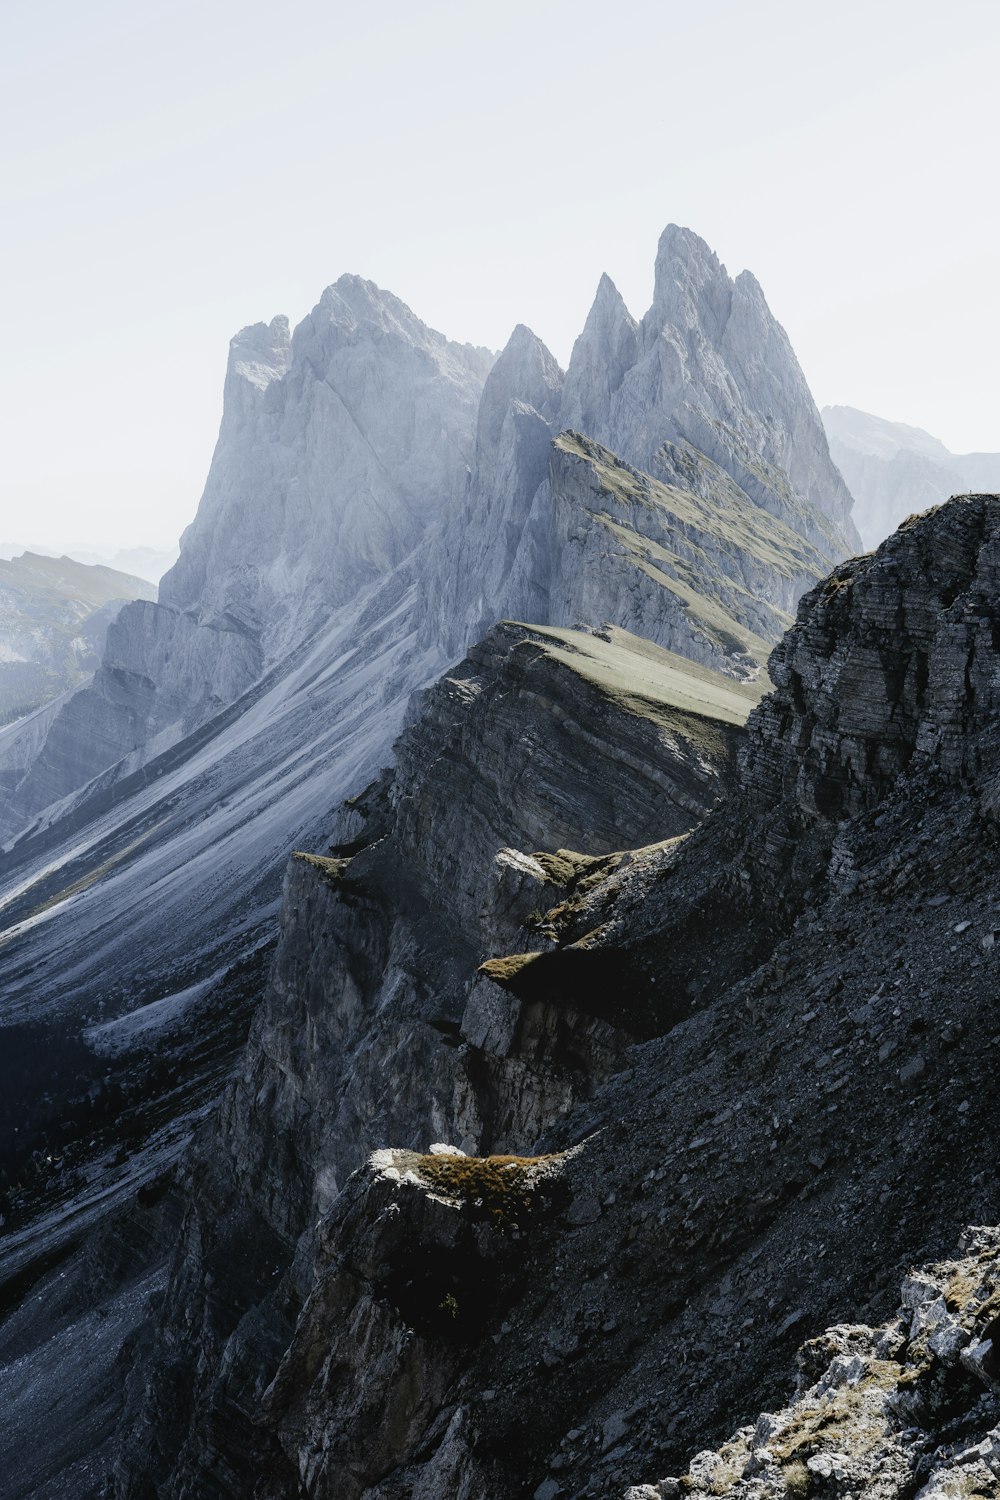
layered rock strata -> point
(374, 1028)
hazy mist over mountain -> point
(893, 469)
(147, 221)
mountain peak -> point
(609, 309)
(525, 371)
(691, 285)
(261, 352)
(606, 349)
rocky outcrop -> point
(350, 1408)
(911, 1408)
(894, 470)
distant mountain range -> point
(893, 470)
(54, 617)
(149, 563)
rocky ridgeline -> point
(755, 1069)
(376, 1025)
(703, 396)
(378, 500)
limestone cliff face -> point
(339, 445)
(377, 1026)
(494, 555)
(709, 365)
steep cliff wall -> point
(371, 1030)
(809, 978)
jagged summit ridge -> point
(337, 448)
(713, 367)
(260, 353)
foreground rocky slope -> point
(536, 735)
(741, 1081)
(539, 737)
(911, 1407)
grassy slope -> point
(682, 698)
(730, 519)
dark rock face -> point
(376, 1027)
(893, 661)
(763, 1055)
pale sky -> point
(172, 172)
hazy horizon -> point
(173, 176)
